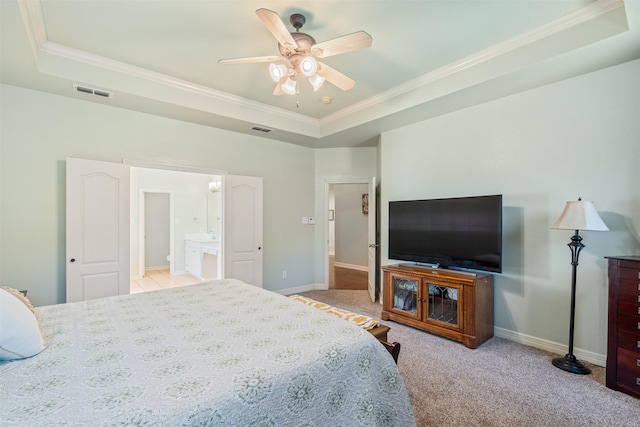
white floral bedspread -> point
(221, 353)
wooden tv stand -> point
(455, 305)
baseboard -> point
(351, 266)
(300, 289)
(553, 347)
(157, 267)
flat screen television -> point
(462, 232)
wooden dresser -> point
(623, 339)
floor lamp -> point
(577, 215)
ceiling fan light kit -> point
(316, 82)
(301, 51)
(277, 72)
(289, 86)
(308, 66)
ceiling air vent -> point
(261, 129)
(91, 91)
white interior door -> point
(372, 238)
(97, 229)
(242, 235)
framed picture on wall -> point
(365, 204)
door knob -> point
(72, 260)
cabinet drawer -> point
(629, 323)
(629, 296)
(629, 307)
(630, 291)
(629, 273)
(629, 341)
(629, 369)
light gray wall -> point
(39, 131)
(579, 137)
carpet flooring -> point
(501, 383)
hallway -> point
(346, 278)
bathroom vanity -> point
(202, 256)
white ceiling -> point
(427, 57)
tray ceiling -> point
(427, 57)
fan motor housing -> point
(304, 41)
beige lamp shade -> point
(580, 215)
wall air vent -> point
(91, 91)
(261, 129)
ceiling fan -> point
(300, 53)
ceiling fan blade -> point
(348, 43)
(274, 24)
(335, 77)
(250, 59)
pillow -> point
(20, 335)
(22, 297)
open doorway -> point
(169, 208)
(155, 248)
(348, 236)
(114, 199)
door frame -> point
(142, 224)
(327, 184)
(172, 167)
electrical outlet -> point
(312, 220)
(284, 274)
(305, 220)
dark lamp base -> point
(569, 363)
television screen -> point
(464, 232)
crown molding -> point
(101, 62)
(358, 113)
(33, 19)
(588, 13)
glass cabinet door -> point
(443, 304)
(405, 294)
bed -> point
(218, 353)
